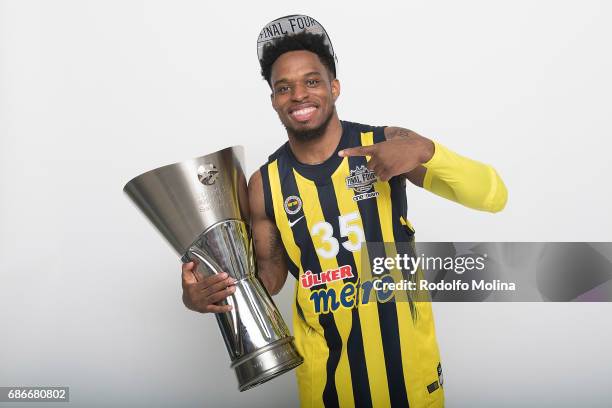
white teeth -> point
(304, 111)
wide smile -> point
(303, 114)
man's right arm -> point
(271, 262)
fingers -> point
(190, 274)
(221, 295)
(373, 164)
(219, 286)
(218, 308)
(357, 151)
(187, 274)
(379, 168)
(203, 294)
(210, 281)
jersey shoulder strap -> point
(265, 179)
(277, 153)
(358, 129)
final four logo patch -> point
(362, 180)
(293, 205)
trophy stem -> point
(256, 337)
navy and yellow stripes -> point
(373, 354)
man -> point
(334, 186)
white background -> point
(93, 93)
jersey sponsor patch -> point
(309, 279)
(361, 180)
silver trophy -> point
(201, 207)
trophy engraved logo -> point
(207, 174)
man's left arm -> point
(430, 165)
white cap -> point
(291, 25)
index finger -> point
(357, 151)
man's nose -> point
(299, 92)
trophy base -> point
(266, 363)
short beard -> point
(311, 134)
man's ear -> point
(335, 88)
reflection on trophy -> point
(201, 207)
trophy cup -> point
(200, 206)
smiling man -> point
(333, 187)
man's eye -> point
(282, 89)
(312, 82)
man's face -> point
(303, 94)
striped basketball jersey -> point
(361, 347)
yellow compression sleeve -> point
(465, 181)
